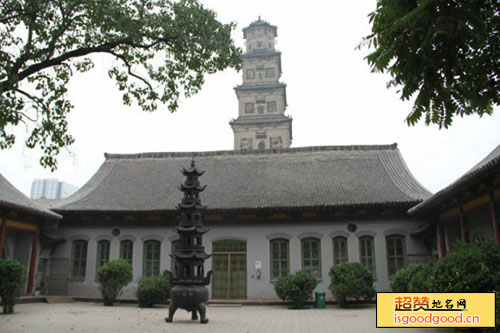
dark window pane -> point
(395, 245)
(151, 258)
(79, 259)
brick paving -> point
(92, 317)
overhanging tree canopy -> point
(163, 50)
(445, 51)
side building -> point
(466, 209)
(22, 224)
(270, 213)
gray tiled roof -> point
(11, 199)
(328, 176)
(261, 53)
(484, 169)
(256, 120)
(266, 86)
(260, 23)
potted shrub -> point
(12, 276)
(113, 276)
(351, 280)
(296, 288)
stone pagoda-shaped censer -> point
(188, 291)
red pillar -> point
(2, 234)
(442, 245)
(34, 256)
(463, 227)
(494, 219)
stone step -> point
(59, 299)
(31, 299)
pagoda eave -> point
(192, 171)
(197, 187)
(194, 205)
(185, 228)
(192, 255)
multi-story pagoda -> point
(261, 122)
(188, 291)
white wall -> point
(257, 237)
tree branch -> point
(62, 29)
(33, 98)
(27, 50)
(7, 18)
(106, 47)
(129, 67)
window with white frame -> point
(367, 253)
(339, 250)
(151, 261)
(280, 258)
(127, 250)
(396, 253)
(311, 256)
(79, 258)
(102, 252)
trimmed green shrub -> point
(12, 276)
(154, 290)
(413, 278)
(113, 276)
(296, 288)
(423, 279)
(400, 281)
(469, 267)
(351, 280)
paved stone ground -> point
(92, 317)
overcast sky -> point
(332, 97)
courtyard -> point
(93, 317)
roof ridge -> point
(398, 171)
(253, 152)
(86, 190)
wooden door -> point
(229, 265)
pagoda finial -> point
(192, 162)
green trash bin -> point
(320, 300)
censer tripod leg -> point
(202, 310)
(171, 311)
(194, 315)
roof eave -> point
(469, 179)
(10, 206)
(167, 212)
